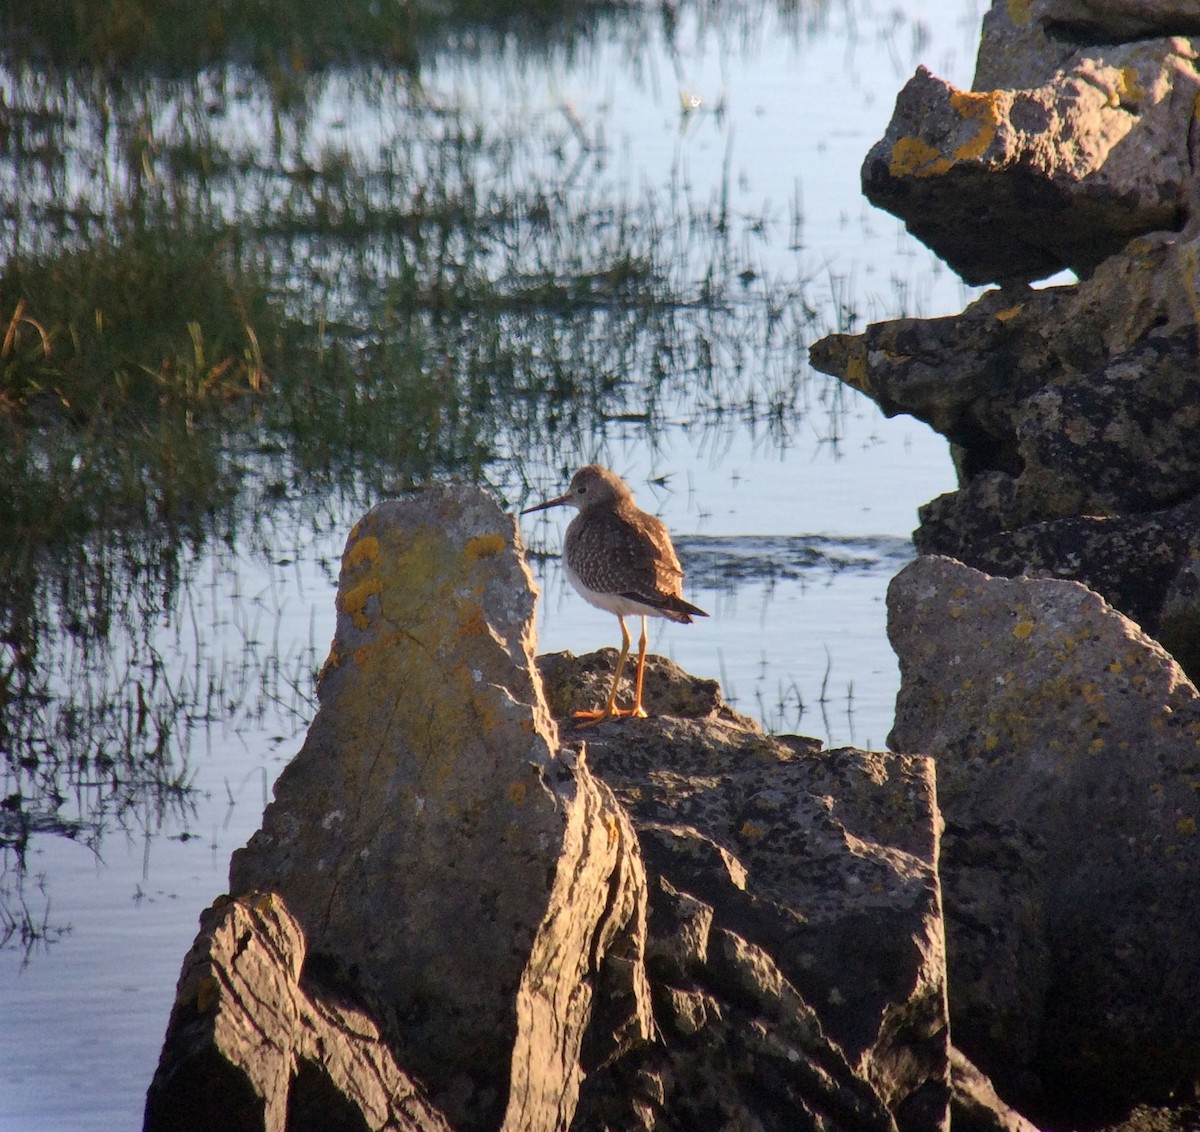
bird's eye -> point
(583, 489)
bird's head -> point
(592, 486)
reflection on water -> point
(340, 293)
(243, 297)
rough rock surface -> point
(1074, 415)
(255, 1041)
(431, 765)
(794, 899)
(749, 936)
(1025, 42)
(1147, 566)
(1068, 762)
(1014, 184)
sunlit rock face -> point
(1060, 155)
(676, 922)
(1068, 756)
(427, 837)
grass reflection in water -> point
(237, 300)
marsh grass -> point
(217, 308)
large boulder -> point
(1068, 761)
(1012, 184)
(429, 837)
(720, 930)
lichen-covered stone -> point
(1060, 402)
(428, 835)
(1015, 184)
(1068, 760)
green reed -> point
(219, 313)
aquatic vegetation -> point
(222, 309)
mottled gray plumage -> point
(620, 559)
(619, 551)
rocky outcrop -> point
(258, 1040)
(795, 924)
(671, 923)
(1065, 733)
(1053, 161)
(430, 837)
(1072, 410)
(1068, 764)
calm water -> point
(789, 535)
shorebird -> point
(620, 559)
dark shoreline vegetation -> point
(221, 318)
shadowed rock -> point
(254, 1043)
(1068, 758)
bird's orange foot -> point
(591, 718)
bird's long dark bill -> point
(549, 503)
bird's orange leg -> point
(638, 710)
(610, 709)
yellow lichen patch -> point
(1186, 827)
(1131, 89)
(911, 157)
(485, 546)
(1019, 11)
(1023, 628)
(364, 550)
(991, 742)
(1009, 312)
(517, 792)
(753, 832)
(472, 623)
(354, 600)
(1095, 746)
(979, 107)
(856, 375)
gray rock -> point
(255, 1041)
(1068, 760)
(723, 930)
(1015, 53)
(1111, 21)
(1024, 44)
(1060, 402)
(1146, 565)
(794, 920)
(1015, 184)
(429, 838)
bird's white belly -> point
(613, 603)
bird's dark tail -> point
(682, 611)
